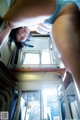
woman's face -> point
(22, 34)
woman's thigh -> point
(28, 9)
(66, 34)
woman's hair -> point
(13, 32)
(12, 38)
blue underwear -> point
(60, 5)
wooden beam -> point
(57, 70)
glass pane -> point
(45, 58)
(33, 111)
(63, 109)
(73, 106)
(51, 108)
(31, 108)
(31, 58)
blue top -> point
(60, 5)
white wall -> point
(37, 80)
(4, 51)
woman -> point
(66, 28)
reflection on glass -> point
(30, 105)
(63, 109)
(33, 111)
(73, 106)
(36, 106)
(51, 108)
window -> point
(39, 105)
(43, 54)
(30, 105)
(39, 57)
(31, 58)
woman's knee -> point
(68, 19)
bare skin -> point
(28, 9)
(26, 13)
(66, 33)
(22, 34)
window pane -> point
(31, 58)
(30, 110)
(45, 58)
(51, 108)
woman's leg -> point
(66, 33)
(24, 9)
(27, 11)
